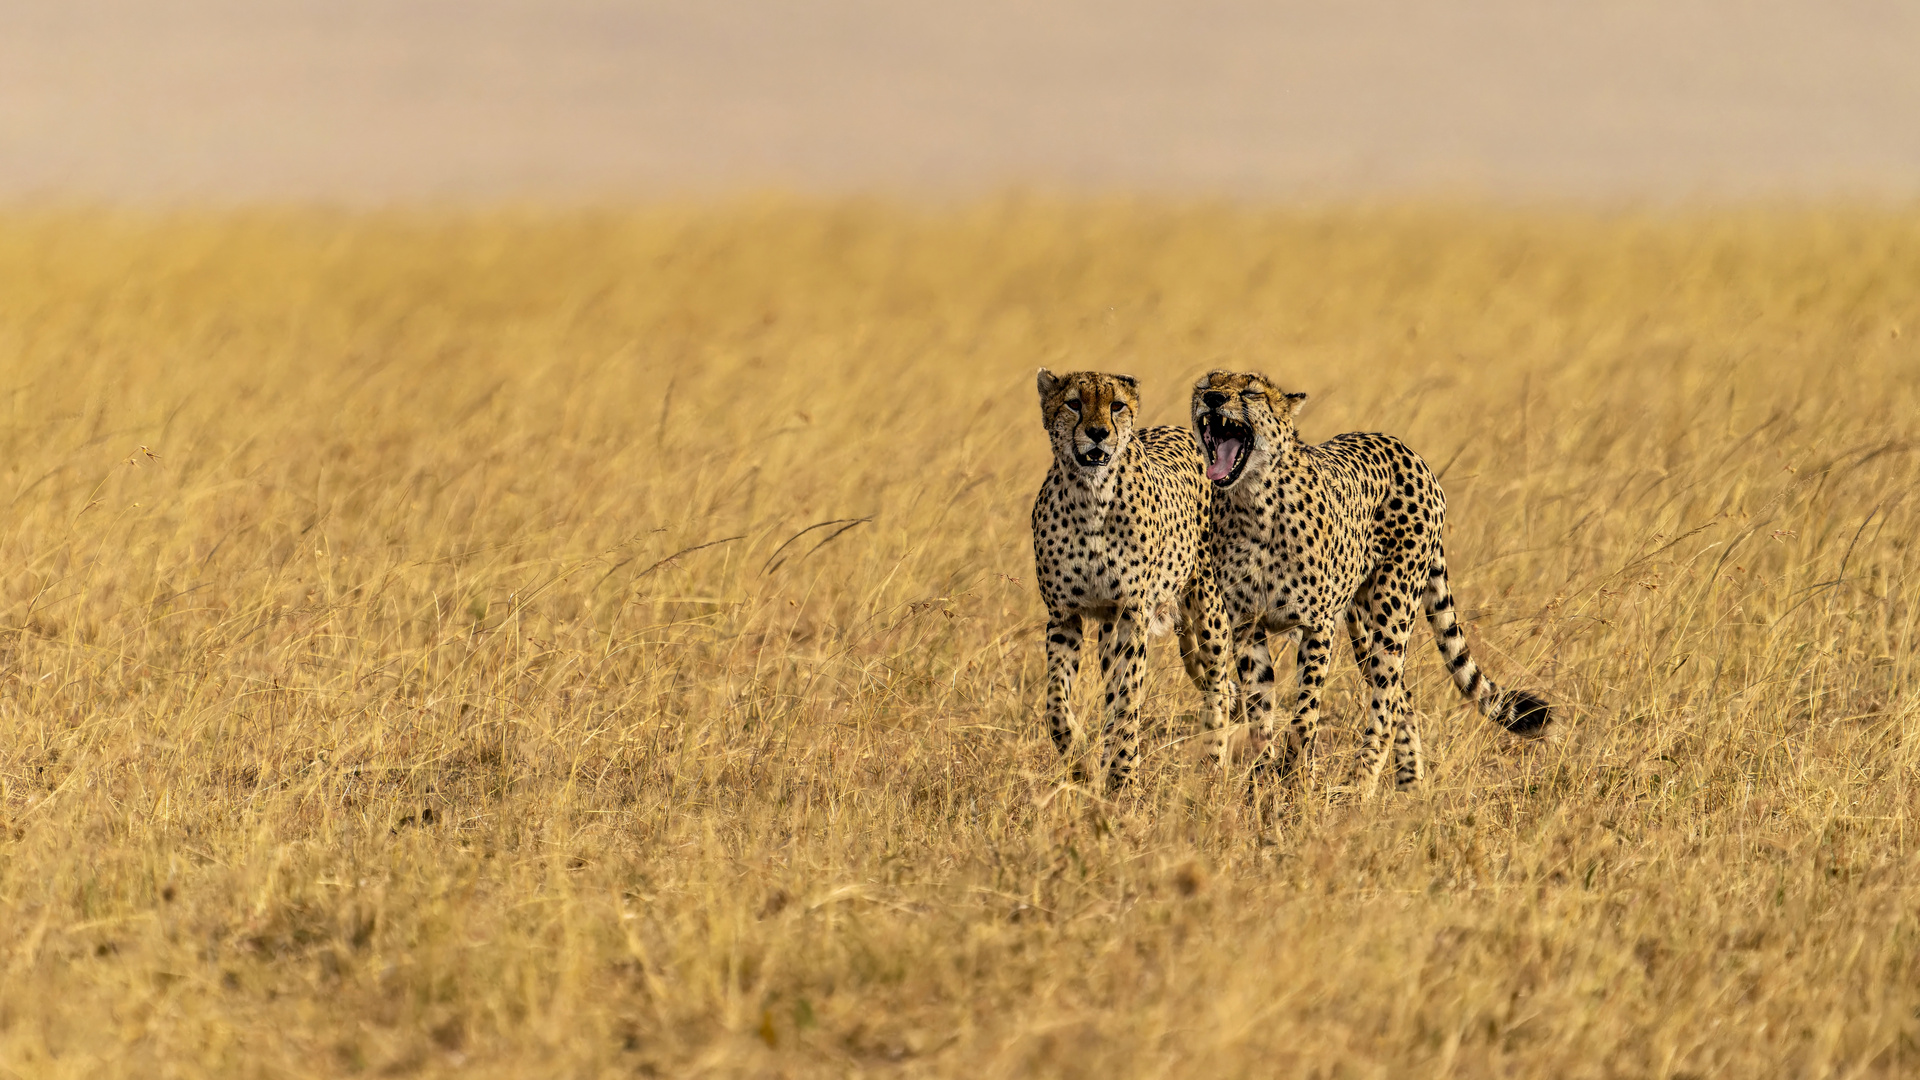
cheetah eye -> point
(1254, 395)
(1074, 404)
(1119, 407)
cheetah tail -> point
(1522, 712)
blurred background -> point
(369, 101)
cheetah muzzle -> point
(1095, 458)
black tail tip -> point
(1526, 713)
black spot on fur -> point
(1526, 713)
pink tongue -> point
(1224, 454)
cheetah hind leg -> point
(1390, 710)
(1358, 641)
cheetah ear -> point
(1132, 383)
(1049, 382)
(1294, 401)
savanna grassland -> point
(421, 651)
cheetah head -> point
(1089, 414)
(1243, 421)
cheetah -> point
(1349, 530)
(1120, 538)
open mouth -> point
(1226, 443)
(1093, 458)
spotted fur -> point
(1308, 538)
(1120, 540)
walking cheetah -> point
(1305, 536)
(1120, 537)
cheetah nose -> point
(1213, 399)
(1097, 434)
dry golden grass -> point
(401, 669)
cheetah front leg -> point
(1358, 638)
(1063, 665)
(1312, 659)
(1122, 644)
(1357, 633)
(1204, 641)
(1254, 707)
